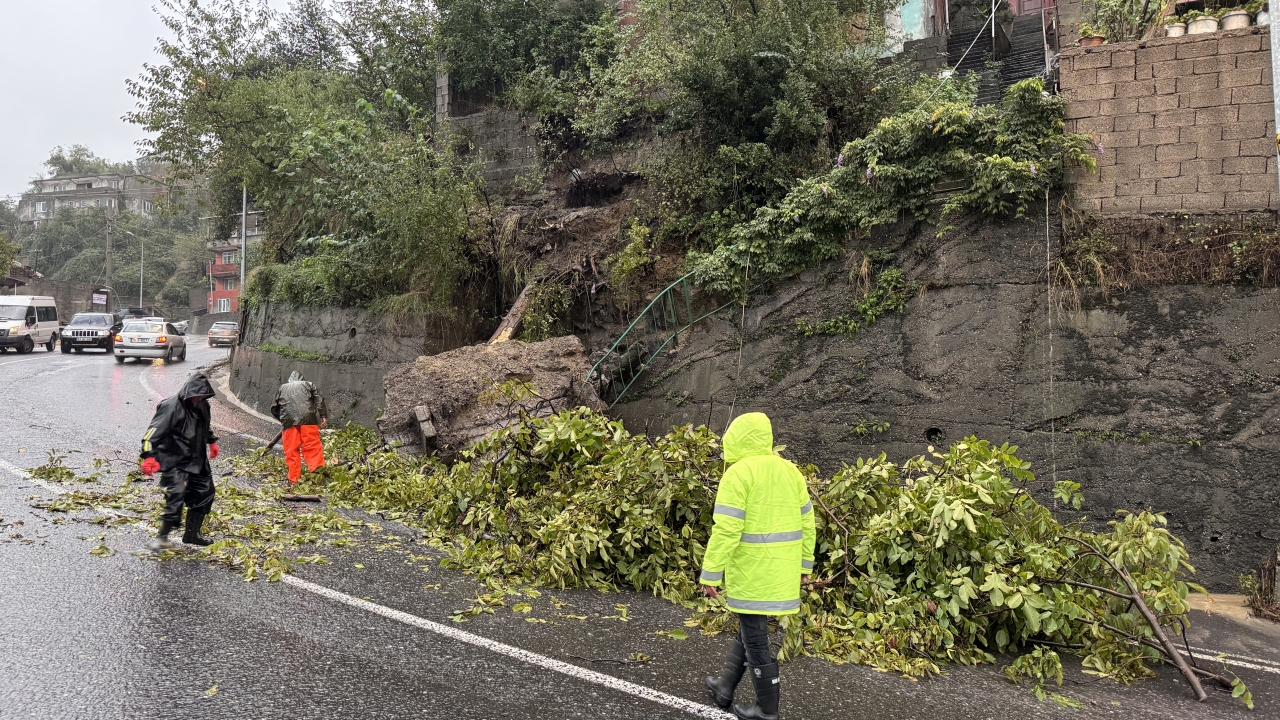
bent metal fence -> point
(656, 327)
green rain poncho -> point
(762, 541)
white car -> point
(145, 339)
(27, 321)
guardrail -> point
(656, 327)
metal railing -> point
(656, 327)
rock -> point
(433, 403)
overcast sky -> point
(63, 64)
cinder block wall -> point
(1185, 124)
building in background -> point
(114, 192)
(224, 270)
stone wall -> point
(1185, 124)
(351, 391)
(504, 141)
(71, 297)
(1166, 399)
(351, 334)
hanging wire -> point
(962, 57)
(1048, 282)
(742, 325)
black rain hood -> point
(197, 386)
(299, 403)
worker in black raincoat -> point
(179, 444)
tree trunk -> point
(511, 322)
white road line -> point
(1254, 663)
(245, 435)
(452, 633)
(26, 475)
(142, 378)
(511, 651)
(11, 362)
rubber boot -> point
(766, 680)
(734, 666)
(162, 541)
(195, 518)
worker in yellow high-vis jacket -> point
(761, 548)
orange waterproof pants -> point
(304, 439)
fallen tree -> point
(946, 558)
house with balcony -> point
(224, 270)
(112, 192)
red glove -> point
(213, 451)
(150, 467)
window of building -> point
(84, 186)
(230, 257)
(230, 283)
(146, 206)
(42, 206)
(113, 184)
(224, 305)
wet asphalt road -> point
(127, 637)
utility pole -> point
(244, 249)
(142, 262)
(108, 282)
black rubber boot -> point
(162, 541)
(766, 680)
(734, 666)
(195, 518)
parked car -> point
(27, 321)
(125, 314)
(182, 326)
(91, 330)
(150, 340)
(224, 333)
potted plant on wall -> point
(1200, 22)
(1260, 14)
(1235, 18)
(1174, 26)
(1090, 35)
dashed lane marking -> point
(11, 362)
(532, 658)
(1244, 661)
(25, 475)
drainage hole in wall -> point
(351, 333)
(935, 436)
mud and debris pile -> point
(443, 403)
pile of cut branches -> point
(946, 558)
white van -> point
(27, 321)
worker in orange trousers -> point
(301, 412)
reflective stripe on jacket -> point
(763, 537)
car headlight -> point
(102, 333)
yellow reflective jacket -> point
(762, 541)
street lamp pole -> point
(244, 249)
(142, 262)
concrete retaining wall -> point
(1166, 398)
(351, 391)
(200, 324)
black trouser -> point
(753, 633)
(184, 488)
